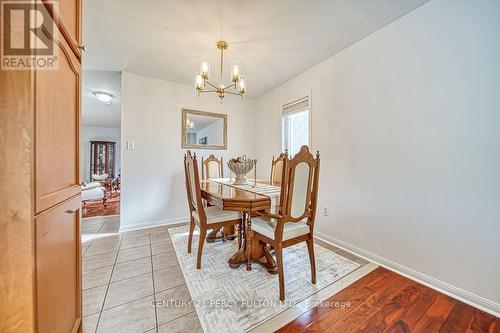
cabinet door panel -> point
(58, 268)
(67, 16)
(57, 114)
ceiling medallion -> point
(237, 87)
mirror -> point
(203, 130)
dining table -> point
(222, 194)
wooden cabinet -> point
(57, 118)
(70, 13)
(58, 272)
(102, 158)
(40, 245)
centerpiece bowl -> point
(240, 166)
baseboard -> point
(151, 224)
(443, 287)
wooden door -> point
(67, 16)
(58, 268)
(57, 119)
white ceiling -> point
(94, 112)
(272, 40)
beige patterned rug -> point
(234, 300)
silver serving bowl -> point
(240, 169)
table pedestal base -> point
(253, 250)
(227, 234)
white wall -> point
(214, 133)
(94, 133)
(153, 189)
(408, 125)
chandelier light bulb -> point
(242, 85)
(205, 69)
(235, 73)
(199, 82)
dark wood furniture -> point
(102, 158)
(277, 168)
(233, 199)
(40, 242)
(212, 167)
(204, 217)
(294, 221)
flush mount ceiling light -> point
(238, 87)
(104, 97)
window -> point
(296, 125)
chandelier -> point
(237, 87)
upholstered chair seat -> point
(267, 227)
(216, 215)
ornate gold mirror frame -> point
(186, 145)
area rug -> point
(234, 300)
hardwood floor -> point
(96, 208)
(384, 301)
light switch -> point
(130, 145)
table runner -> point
(270, 191)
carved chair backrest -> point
(299, 190)
(212, 168)
(277, 168)
(193, 186)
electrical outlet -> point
(326, 211)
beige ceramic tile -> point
(164, 260)
(188, 323)
(160, 237)
(90, 323)
(133, 317)
(162, 247)
(129, 290)
(173, 303)
(133, 253)
(96, 277)
(132, 268)
(135, 241)
(93, 299)
(168, 278)
(98, 261)
(135, 233)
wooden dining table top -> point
(230, 198)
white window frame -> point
(294, 107)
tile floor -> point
(124, 273)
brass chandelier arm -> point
(207, 91)
(233, 93)
(231, 86)
(211, 85)
(225, 88)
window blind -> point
(296, 106)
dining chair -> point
(212, 167)
(277, 168)
(204, 217)
(293, 223)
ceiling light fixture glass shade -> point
(238, 86)
(104, 97)
(242, 85)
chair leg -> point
(190, 238)
(279, 261)
(201, 241)
(310, 248)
